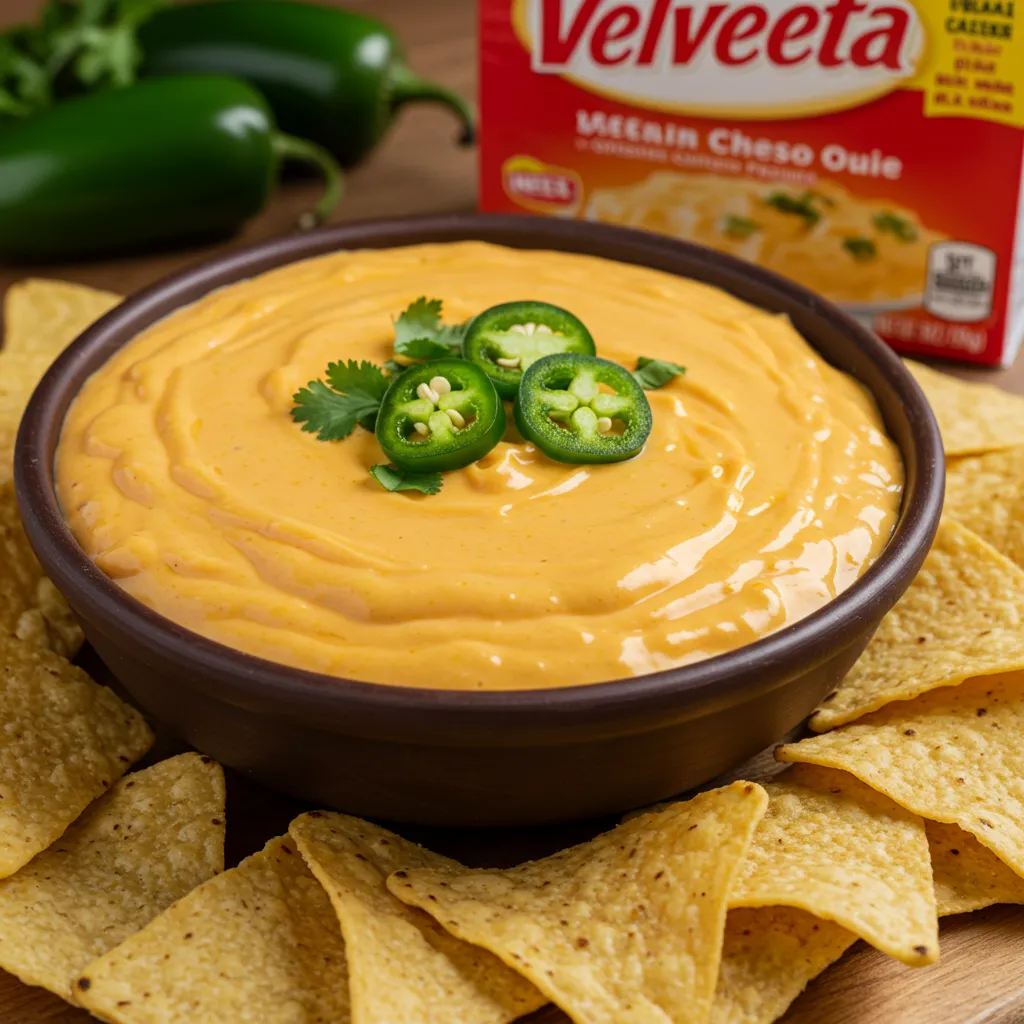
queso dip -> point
(767, 486)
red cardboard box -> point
(869, 149)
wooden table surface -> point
(418, 169)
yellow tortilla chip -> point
(967, 876)
(627, 927)
(402, 965)
(66, 741)
(31, 607)
(44, 317)
(972, 417)
(769, 956)
(838, 849)
(954, 755)
(19, 375)
(962, 616)
(151, 840)
(257, 943)
(986, 494)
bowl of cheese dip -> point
(632, 627)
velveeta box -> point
(869, 149)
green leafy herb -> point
(350, 377)
(800, 206)
(421, 337)
(860, 248)
(24, 86)
(739, 227)
(652, 374)
(422, 350)
(892, 224)
(393, 368)
(392, 479)
(75, 47)
(352, 395)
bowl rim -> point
(253, 681)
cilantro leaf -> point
(422, 349)
(74, 47)
(452, 335)
(392, 479)
(421, 337)
(352, 376)
(329, 415)
(393, 369)
(421, 319)
(652, 374)
(23, 84)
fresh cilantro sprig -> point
(652, 374)
(352, 395)
(74, 47)
(421, 337)
(392, 479)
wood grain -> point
(978, 980)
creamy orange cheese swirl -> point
(767, 486)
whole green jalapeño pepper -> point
(439, 416)
(505, 340)
(165, 161)
(563, 410)
(332, 76)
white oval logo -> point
(767, 59)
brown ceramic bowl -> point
(508, 758)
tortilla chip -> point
(986, 494)
(151, 840)
(257, 943)
(962, 616)
(402, 965)
(44, 317)
(834, 847)
(769, 956)
(627, 927)
(967, 876)
(66, 740)
(31, 607)
(954, 755)
(19, 375)
(973, 418)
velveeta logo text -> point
(776, 58)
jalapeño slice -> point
(438, 416)
(564, 411)
(505, 340)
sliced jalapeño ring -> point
(564, 410)
(506, 340)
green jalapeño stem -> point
(505, 340)
(439, 416)
(564, 411)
